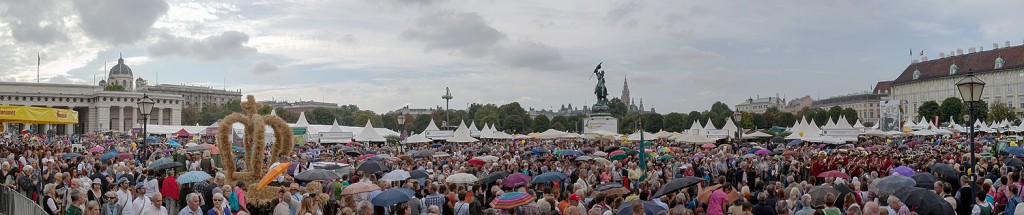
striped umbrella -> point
(192, 177)
(512, 200)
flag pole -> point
(39, 61)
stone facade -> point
(98, 110)
(866, 105)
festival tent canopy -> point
(842, 123)
(369, 134)
(824, 139)
(663, 134)
(695, 127)
(550, 134)
(829, 124)
(876, 133)
(710, 125)
(273, 112)
(636, 136)
(730, 126)
(472, 126)
(570, 135)
(755, 134)
(431, 127)
(462, 135)
(693, 138)
(37, 115)
(302, 123)
(924, 132)
(335, 127)
(418, 138)
(858, 125)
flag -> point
(911, 52)
(922, 53)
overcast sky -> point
(384, 54)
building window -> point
(1000, 62)
(952, 69)
(917, 74)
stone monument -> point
(599, 118)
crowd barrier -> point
(13, 203)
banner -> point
(439, 135)
(889, 115)
(336, 137)
(37, 115)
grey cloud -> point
(622, 11)
(230, 44)
(264, 67)
(684, 55)
(119, 21)
(348, 39)
(463, 33)
(37, 21)
(62, 79)
(532, 55)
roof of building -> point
(761, 100)
(882, 86)
(120, 68)
(870, 97)
(979, 62)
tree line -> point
(954, 108)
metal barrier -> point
(13, 203)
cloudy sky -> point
(679, 55)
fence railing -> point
(13, 203)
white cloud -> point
(230, 44)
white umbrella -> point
(441, 154)
(488, 158)
(461, 178)
(396, 175)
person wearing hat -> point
(573, 200)
(139, 203)
(124, 192)
(111, 206)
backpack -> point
(233, 201)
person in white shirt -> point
(124, 193)
(156, 207)
(140, 202)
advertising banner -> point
(889, 115)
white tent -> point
(636, 136)
(302, 123)
(824, 139)
(875, 133)
(695, 128)
(692, 138)
(273, 112)
(570, 135)
(369, 134)
(418, 138)
(709, 126)
(335, 127)
(842, 123)
(924, 132)
(462, 135)
(473, 130)
(550, 134)
(829, 124)
(858, 125)
(663, 134)
(501, 136)
(431, 127)
(730, 126)
(755, 134)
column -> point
(126, 118)
(102, 119)
(176, 116)
(132, 117)
(159, 115)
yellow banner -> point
(37, 115)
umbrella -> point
(606, 162)
(364, 156)
(461, 178)
(353, 153)
(360, 187)
(571, 153)
(763, 152)
(441, 154)
(516, 180)
(902, 170)
(705, 194)
(1015, 151)
(600, 154)
(584, 158)
(539, 150)
(1013, 162)
(925, 180)
(392, 196)
(424, 154)
(818, 194)
(843, 191)
(446, 148)
(160, 161)
(834, 174)
(165, 166)
(607, 186)
(272, 174)
(197, 148)
(650, 208)
(488, 158)
(370, 152)
(926, 202)
(125, 155)
(436, 145)
(946, 172)
(396, 175)
(193, 177)
(615, 191)
(886, 186)
(794, 142)
(96, 149)
(317, 175)
(372, 167)
(666, 157)
(418, 174)
(676, 185)
(512, 200)
(616, 152)
(476, 161)
(109, 155)
(493, 177)
(68, 156)
(618, 157)
(610, 148)
(708, 146)
(330, 166)
(548, 177)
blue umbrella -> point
(436, 145)
(1015, 151)
(539, 150)
(392, 196)
(109, 155)
(68, 156)
(160, 161)
(193, 177)
(795, 142)
(572, 153)
(173, 143)
(650, 208)
(370, 152)
(374, 158)
(548, 177)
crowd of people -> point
(115, 174)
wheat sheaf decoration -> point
(253, 141)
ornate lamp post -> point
(401, 122)
(970, 88)
(145, 107)
(447, 98)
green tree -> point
(673, 122)
(761, 121)
(287, 115)
(720, 112)
(114, 87)
(486, 114)
(560, 123)
(617, 108)
(627, 123)
(389, 121)
(851, 115)
(575, 123)
(320, 116)
(541, 123)
(264, 110)
(951, 107)
(980, 110)
(786, 119)
(834, 113)
(999, 111)
(363, 116)
(928, 110)
(513, 124)
(421, 123)
(652, 122)
(746, 120)
(190, 116)
(692, 117)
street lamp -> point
(447, 98)
(970, 88)
(401, 122)
(145, 107)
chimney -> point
(982, 48)
(995, 46)
(959, 51)
(1007, 44)
(952, 53)
(924, 58)
(942, 55)
(914, 62)
(970, 50)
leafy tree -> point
(691, 118)
(617, 107)
(389, 121)
(287, 115)
(627, 123)
(421, 123)
(560, 123)
(363, 116)
(652, 122)
(190, 116)
(264, 110)
(575, 122)
(928, 110)
(486, 114)
(834, 113)
(851, 115)
(320, 116)
(786, 119)
(541, 123)
(980, 110)
(720, 112)
(760, 121)
(513, 124)
(673, 122)
(999, 111)
(114, 87)
(746, 120)
(951, 107)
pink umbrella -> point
(616, 152)
(762, 152)
(96, 149)
(708, 146)
(516, 180)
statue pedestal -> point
(600, 119)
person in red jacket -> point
(169, 189)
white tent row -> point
(169, 129)
(462, 135)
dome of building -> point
(120, 68)
(103, 83)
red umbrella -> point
(708, 146)
(366, 156)
(125, 155)
(476, 161)
(834, 174)
(616, 152)
(512, 200)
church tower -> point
(625, 92)
(121, 74)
